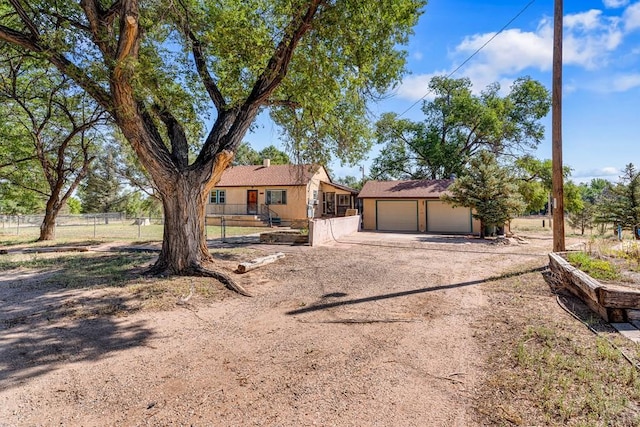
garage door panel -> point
(442, 218)
(397, 215)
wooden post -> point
(556, 140)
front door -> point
(252, 202)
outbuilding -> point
(413, 206)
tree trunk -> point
(48, 226)
(184, 246)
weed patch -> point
(599, 269)
(546, 368)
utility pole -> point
(556, 131)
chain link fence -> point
(108, 226)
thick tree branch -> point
(177, 136)
(201, 65)
(24, 17)
(109, 15)
(97, 26)
(278, 65)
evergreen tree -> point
(101, 190)
(489, 190)
(620, 203)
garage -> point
(397, 215)
(443, 218)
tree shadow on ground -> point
(66, 309)
(328, 305)
(29, 351)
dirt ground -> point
(374, 330)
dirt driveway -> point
(376, 330)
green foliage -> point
(599, 269)
(535, 184)
(245, 155)
(351, 182)
(593, 191)
(14, 200)
(572, 198)
(583, 218)
(102, 190)
(167, 70)
(619, 204)
(75, 205)
(49, 128)
(459, 124)
(488, 189)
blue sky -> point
(601, 74)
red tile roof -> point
(259, 175)
(427, 188)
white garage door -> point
(442, 218)
(397, 215)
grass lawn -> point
(115, 231)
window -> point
(218, 197)
(343, 200)
(276, 197)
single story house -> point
(413, 206)
(277, 195)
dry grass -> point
(547, 368)
(108, 233)
(115, 280)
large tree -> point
(246, 155)
(55, 127)
(458, 124)
(159, 66)
(535, 184)
(489, 190)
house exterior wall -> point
(295, 208)
(333, 193)
(443, 218)
(299, 199)
(440, 218)
(370, 211)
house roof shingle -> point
(259, 175)
(427, 188)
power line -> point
(473, 54)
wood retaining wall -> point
(614, 303)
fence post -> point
(94, 226)
(17, 225)
(223, 229)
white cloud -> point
(610, 173)
(618, 83)
(631, 17)
(590, 39)
(416, 86)
(417, 56)
(588, 20)
(626, 82)
(613, 4)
